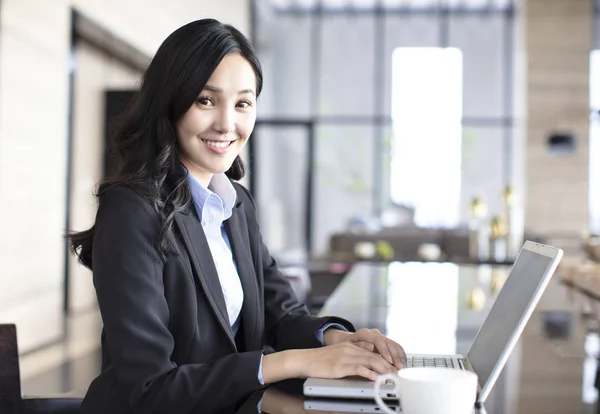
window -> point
(423, 326)
(427, 133)
(394, 4)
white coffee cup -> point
(430, 390)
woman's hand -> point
(336, 361)
(342, 360)
(371, 340)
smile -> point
(218, 144)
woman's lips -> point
(219, 147)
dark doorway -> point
(115, 102)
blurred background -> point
(388, 130)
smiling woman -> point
(212, 133)
(190, 298)
(169, 107)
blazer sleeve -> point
(127, 272)
(288, 323)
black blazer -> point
(167, 346)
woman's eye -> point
(204, 101)
(244, 104)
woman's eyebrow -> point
(219, 90)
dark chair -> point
(11, 399)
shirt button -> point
(203, 223)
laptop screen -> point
(526, 275)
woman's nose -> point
(225, 122)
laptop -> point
(347, 406)
(494, 342)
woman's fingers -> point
(375, 362)
(398, 354)
(390, 350)
(367, 346)
(365, 372)
(373, 336)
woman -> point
(190, 297)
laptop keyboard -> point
(413, 362)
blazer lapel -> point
(237, 231)
(204, 266)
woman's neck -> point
(203, 177)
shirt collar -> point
(220, 186)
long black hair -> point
(144, 148)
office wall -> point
(558, 36)
(34, 76)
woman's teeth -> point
(217, 144)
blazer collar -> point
(205, 271)
(240, 239)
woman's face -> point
(217, 126)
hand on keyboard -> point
(337, 361)
(372, 340)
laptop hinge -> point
(467, 365)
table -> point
(287, 398)
(439, 307)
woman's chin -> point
(221, 168)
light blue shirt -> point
(214, 205)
